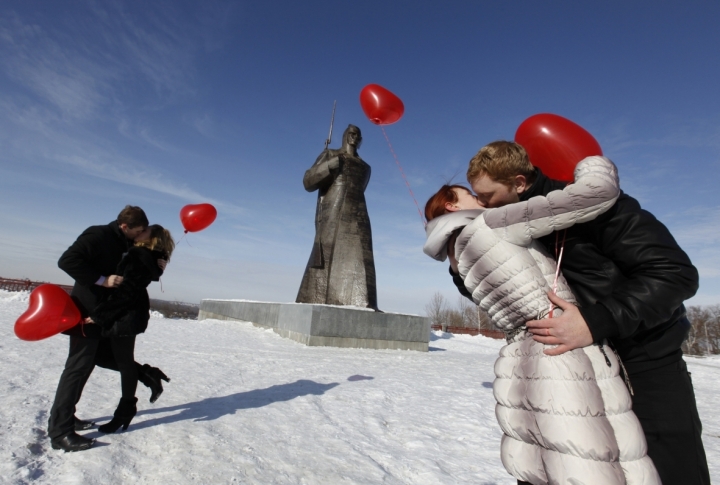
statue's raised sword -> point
(332, 121)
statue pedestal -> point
(327, 325)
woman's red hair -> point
(435, 206)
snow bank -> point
(12, 296)
(247, 406)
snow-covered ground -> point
(247, 406)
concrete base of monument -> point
(327, 325)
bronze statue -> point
(341, 269)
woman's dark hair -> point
(160, 240)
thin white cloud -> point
(69, 80)
(126, 172)
(151, 140)
(623, 137)
(59, 75)
(697, 227)
(204, 125)
(84, 75)
(54, 228)
(697, 231)
(46, 142)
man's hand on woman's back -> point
(568, 331)
(112, 281)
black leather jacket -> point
(630, 278)
(95, 253)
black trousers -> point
(78, 367)
(83, 355)
(664, 402)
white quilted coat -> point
(566, 419)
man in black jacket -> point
(92, 261)
(630, 278)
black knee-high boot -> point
(124, 413)
(152, 377)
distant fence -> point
(175, 309)
(23, 285)
(496, 334)
(170, 309)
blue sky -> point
(163, 104)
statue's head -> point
(352, 137)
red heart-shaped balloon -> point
(196, 217)
(380, 105)
(51, 311)
(555, 144)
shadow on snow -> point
(216, 407)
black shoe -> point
(114, 424)
(72, 442)
(81, 425)
(152, 377)
(124, 413)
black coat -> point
(96, 252)
(630, 278)
(126, 310)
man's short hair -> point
(133, 216)
(502, 161)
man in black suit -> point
(91, 261)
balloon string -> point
(558, 256)
(183, 237)
(402, 172)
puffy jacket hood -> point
(440, 229)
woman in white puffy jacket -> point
(566, 419)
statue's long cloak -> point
(341, 268)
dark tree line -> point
(464, 314)
(704, 337)
(175, 309)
